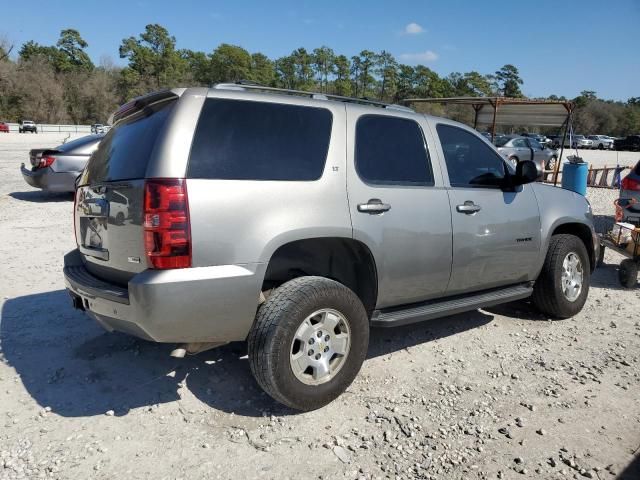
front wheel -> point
(563, 284)
(551, 164)
(308, 342)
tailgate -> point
(109, 229)
(110, 194)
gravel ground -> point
(498, 393)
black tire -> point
(548, 296)
(272, 335)
(600, 146)
(628, 273)
(120, 218)
(551, 165)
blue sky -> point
(561, 47)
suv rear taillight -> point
(46, 162)
(630, 184)
(167, 236)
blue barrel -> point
(574, 177)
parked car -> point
(97, 128)
(4, 127)
(56, 169)
(578, 141)
(555, 141)
(601, 142)
(629, 200)
(27, 126)
(632, 142)
(515, 148)
(296, 222)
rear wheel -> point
(628, 273)
(563, 284)
(308, 342)
(513, 160)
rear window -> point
(124, 152)
(244, 140)
(79, 143)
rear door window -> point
(245, 140)
(391, 151)
(125, 151)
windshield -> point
(501, 141)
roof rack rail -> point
(245, 85)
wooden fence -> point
(605, 177)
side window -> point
(391, 151)
(244, 140)
(534, 144)
(470, 161)
(520, 143)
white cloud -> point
(428, 56)
(413, 29)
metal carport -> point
(495, 111)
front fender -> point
(558, 208)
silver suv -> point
(297, 221)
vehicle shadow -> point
(67, 362)
(40, 196)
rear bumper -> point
(47, 179)
(206, 304)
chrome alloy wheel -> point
(320, 347)
(572, 276)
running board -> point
(442, 308)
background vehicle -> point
(56, 169)
(629, 200)
(296, 221)
(601, 142)
(97, 128)
(27, 126)
(4, 127)
(632, 142)
(516, 148)
(577, 141)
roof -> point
(509, 111)
(244, 86)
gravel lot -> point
(499, 393)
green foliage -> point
(509, 81)
(60, 83)
(153, 58)
(230, 63)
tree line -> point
(60, 83)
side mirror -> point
(526, 172)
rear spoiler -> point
(139, 103)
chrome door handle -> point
(374, 206)
(468, 207)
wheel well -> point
(583, 233)
(342, 259)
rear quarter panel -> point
(245, 221)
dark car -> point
(56, 169)
(27, 126)
(4, 127)
(632, 142)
